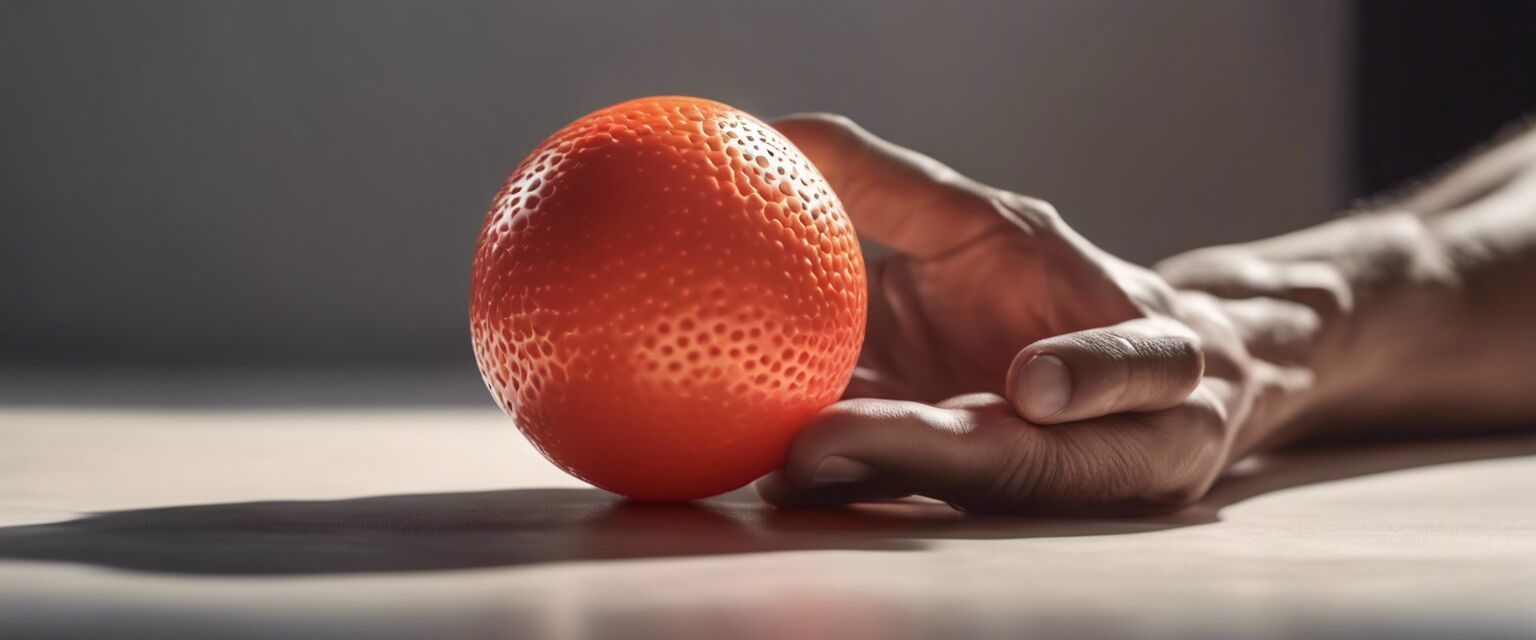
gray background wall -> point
(301, 182)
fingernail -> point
(1047, 386)
(840, 470)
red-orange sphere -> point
(663, 292)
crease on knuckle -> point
(1089, 469)
(1176, 363)
(1023, 468)
(1033, 215)
(1130, 468)
(1194, 436)
(1113, 379)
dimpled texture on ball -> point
(663, 292)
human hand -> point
(1008, 363)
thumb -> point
(895, 196)
(1140, 365)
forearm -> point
(1478, 347)
(1420, 317)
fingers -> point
(871, 449)
(1140, 365)
(1238, 274)
(975, 453)
(895, 196)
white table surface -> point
(440, 521)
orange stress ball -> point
(664, 291)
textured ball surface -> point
(663, 292)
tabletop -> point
(400, 520)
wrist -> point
(1402, 291)
(1379, 290)
(1335, 323)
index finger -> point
(896, 196)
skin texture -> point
(1010, 365)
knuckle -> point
(1036, 205)
(1173, 362)
(1319, 287)
(834, 122)
(1022, 468)
(1031, 214)
(1219, 270)
(1208, 417)
(1102, 346)
(1130, 468)
(1183, 347)
(1106, 360)
(1088, 470)
(1166, 464)
(1197, 435)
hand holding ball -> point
(663, 292)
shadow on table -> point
(444, 531)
